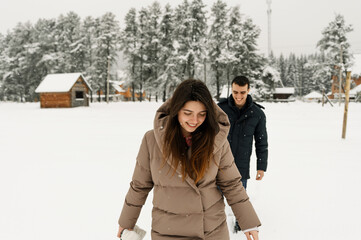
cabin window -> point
(79, 95)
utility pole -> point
(347, 91)
(269, 11)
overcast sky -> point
(296, 24)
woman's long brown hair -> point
(202, 138)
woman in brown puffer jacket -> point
(183, 159)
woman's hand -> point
(120, 231)
(252, 235)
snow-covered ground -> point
(64, 173)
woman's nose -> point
(194, 119)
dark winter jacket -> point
(246, 122)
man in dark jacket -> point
(247, 121)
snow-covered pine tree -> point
(321, 73)
(251, 63)
(45, 30)
(282, 68)
(129, 46)
(81, 48)
(198, 32)
(243, 45)
(271, 60)
(292, 74)
(182, 36)
(107, 38)
(168, 78)
(143, 41)
(67, 34)
(190, 34)
(271, 78)
(217, 42)
(87, 31)
(152, 48)
(334, 41)
(231, 54)
(2, 64)
(302, 79)
(20, 60)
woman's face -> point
(191, 116)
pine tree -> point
(321, 73)
(142, 38)
(129, 46)
(190, 36)
(152, 48)
(252, 63)
(282, 66)
(334, 42)
(292, 74)
(66, 35)
(242, 47)
(45, 30)
(231, 55)
(106, 41)
(87, 32)
(20, 61)
(301, 80)
(169, 77)
(182, 37)
(217, 42)
(2, 65)
(198, 31)
(271, 79)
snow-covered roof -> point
(313, 94)
(356, 68)
(285, 90)
(60, 82)
(117, 87)
(355, 90)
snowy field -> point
(64, 173)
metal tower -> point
(269, 11)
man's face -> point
(239, 94)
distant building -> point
(283, 94)
(355, 79)
(355, 93)
(64, 90)
(313, 96)
(125, 92)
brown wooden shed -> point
(283, 93)
(64, 90)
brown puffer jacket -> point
(183, 209)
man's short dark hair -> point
(241, 81)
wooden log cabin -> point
(64, 90)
